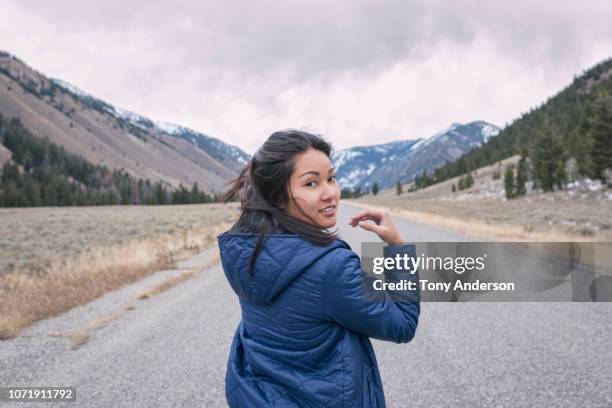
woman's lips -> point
(329, 211)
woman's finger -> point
(358, 215)
(364, 218)
(369, 226)
(369, 213)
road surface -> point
(170, 350)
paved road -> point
(171, 349)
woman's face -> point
(314, 188)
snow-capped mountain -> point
(387, 163)
(227, 154)
(355, 166)
(107, 135)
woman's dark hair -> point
(263, 186)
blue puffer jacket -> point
(303, 340)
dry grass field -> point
(55, 258)
(579, 213)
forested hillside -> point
(42, 173)
(571, 132)
(107, 135)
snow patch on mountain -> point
(169, 128)
(439, 135)
(489, 131)
(213, 146)
(72, 88)
(343, 156)
(130, 116)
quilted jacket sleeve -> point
(384, 315)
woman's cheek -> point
(314, 209)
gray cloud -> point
(359, 71)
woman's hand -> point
(382, 225)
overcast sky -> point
(358, 72)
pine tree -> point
(151, 198)
(346, 193)
(31, 189)
(580, 143)
(183, 194)
(375, 188)
(509, 182)
(454, 188)
(126, 193)
(194, 195)
(160, 194)
(461, 166)
(600, 133)
(398, 188)
(9, 172)
(469, 180)
(547, 157)
(12, 197)
(520, 174)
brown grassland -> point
(56, 258)
(482, 210)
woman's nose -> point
(328, 192)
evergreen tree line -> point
(41, 173)
(574, 125)
(514, 186)
(423, 180)
(465, 182)
(356, 192)
(547, 168)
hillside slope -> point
(106, 135)
(561, 124)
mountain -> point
(566, 137)
(107, 135)
(387, 163)
(355, 166)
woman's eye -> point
(310, 183)
(332, 178)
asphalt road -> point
(171, 349)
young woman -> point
(303, 340)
